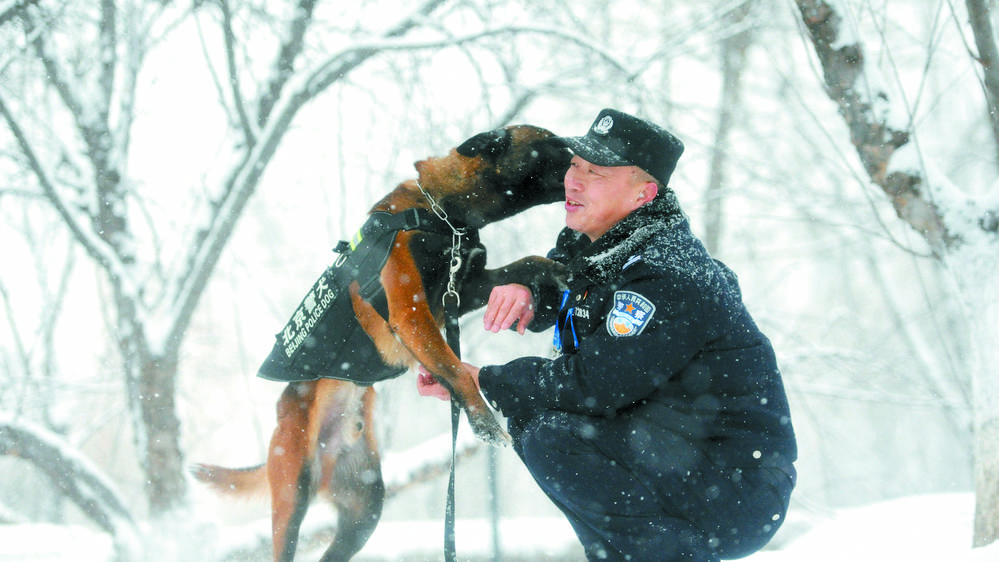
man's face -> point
(597, 197)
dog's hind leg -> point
(293, 467)
(355, 484)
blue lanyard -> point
(565, 320)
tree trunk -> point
(962, 233)
(733, 56)
(151, 388)
(976, 275)
(157, 430)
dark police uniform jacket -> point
(653, 329)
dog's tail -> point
(245, 482)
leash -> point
(452, 334)
(452, 337)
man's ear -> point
(648, 192)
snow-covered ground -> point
(931, 528)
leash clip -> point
(452, 291)
(456, 234)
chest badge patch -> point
(630, 315)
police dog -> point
(325, 439)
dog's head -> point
(497, 174)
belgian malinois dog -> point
(420, 243)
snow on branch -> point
(82, 103)
(426, 461)
(11, 9)
(86, 107)
(97, 248)
(979, 17)
(75, 476)
(334, 67)
(867, 108)
(283, 66)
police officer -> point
(661, 429)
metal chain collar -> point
(456, 236)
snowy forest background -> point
(174, 174)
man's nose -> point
(571, 183)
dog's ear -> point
(491, 143)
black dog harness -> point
(323, 338)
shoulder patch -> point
(630, 315)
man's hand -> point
(508, 304)
(427, 385)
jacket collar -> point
(606, 256)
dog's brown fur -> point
(324, 440)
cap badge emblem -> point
(604, 125)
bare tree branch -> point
(20, 350)
(733, 58)
(876, 140)
(249, 129)
(107, 51)
(108, 218)
(426, 461)
(988, 56)
(13, 10)
(149, 321)
(91, 130)
(94, 246)
(349, 58)
(75, 476)
(134, 52)
(284, 66)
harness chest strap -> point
(382, 221)
(364, 256)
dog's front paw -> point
(486, 428)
